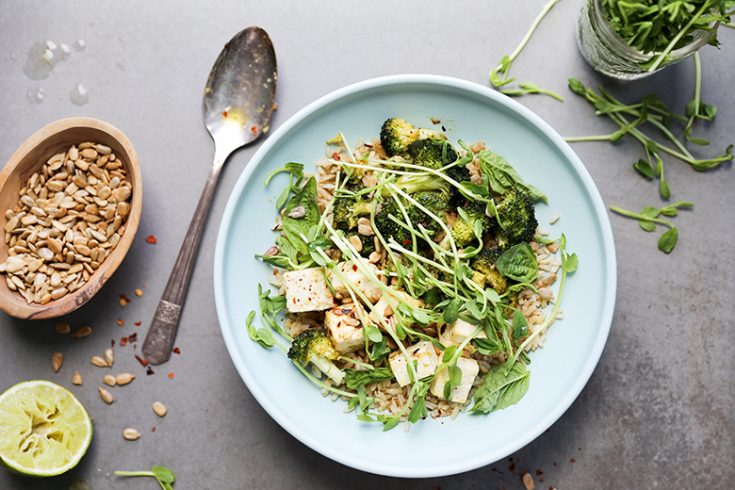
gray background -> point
(657, 412)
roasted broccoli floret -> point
(412, 184)
(471, 216)
(434, 202)
(396, 134)
(389, 228)
(347, 210)
(432, 153)
(313, 346)
(484, 263)
(516, 221)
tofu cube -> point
(459, 331)
(307, 290)
(469, 368)
(382, 307)
(426, 362)
(357, 280)
(344, 328)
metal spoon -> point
(238, 103)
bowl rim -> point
(17, 307)
(593, 356)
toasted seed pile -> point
(69, 217)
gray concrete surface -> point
(657, 412)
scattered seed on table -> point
(109, 380)
(159, 409)
(120, 322)
(170, 375)
(151, 239)
(124, 378)
(105, 395)
(527, 480)
(109, 357)
(57, 359)
(130, 434)
(76, 378)
(139, 292)
(98, 361)
(62, 328)
(82, 332)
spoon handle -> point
(162, 332)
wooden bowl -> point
(30, 157)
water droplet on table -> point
(42, 57)
(79, 95)
(80, 44)
(36, 95)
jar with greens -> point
(630, 39)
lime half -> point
(44, 429)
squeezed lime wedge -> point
(44, 429)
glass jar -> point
(609, 54)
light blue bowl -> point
(559, 371)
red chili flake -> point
(407, 242)
(170, 375)
(112, 342)
(435, 120)
(151, 239)
(137, 324)
(354, 268)
(148, 371)
(224, 113)
(143, 362)
(176, 350)
(539, 472)
(123, 341)
(153, 429)
(335, 156)
(572, 460)
(133, 337)
(253, 129)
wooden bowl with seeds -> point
(70, 204)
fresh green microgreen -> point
(163, 476)
(648, 218)
(657, 27)
(261, 335)
(355, 378)
(520, 325)
(499, 77)
(651, 111)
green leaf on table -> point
(667, 241)
(644, 168)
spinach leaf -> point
(518, 263)
(500, 389)
(502, 176)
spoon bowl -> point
(30, 157)
(240, 90)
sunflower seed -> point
(82, 332)
(62, 328)
(124, 378)
(98, 361)
(57, 359)
(109, 380)
(105, 395)
(109, 357)
(130, 434)
(159, 409)
(76, 378)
